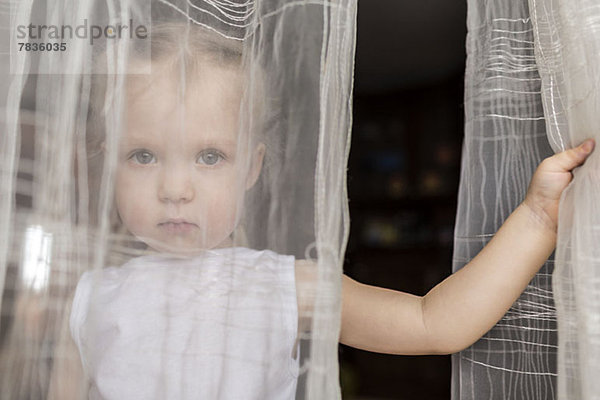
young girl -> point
(203, 317)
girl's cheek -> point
(131, 182)
(136, 220)
(131, 196)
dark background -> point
(403, 174)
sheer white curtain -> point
(505, 139)
(568, 56)
(256, 95)
(531, 87)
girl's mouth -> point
(177, 226)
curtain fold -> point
(530, 89)
(567, 39)
(505, 139)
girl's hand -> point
(550, 179)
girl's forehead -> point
(192, 130)
(183, 139)
(203, 111)
(206, 77)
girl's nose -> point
(176, 187)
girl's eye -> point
(143, 157)
(210, 157)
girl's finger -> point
(569, 159)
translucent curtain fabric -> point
(272, 76)
(567, 53)
(530, 88)
(505, 139)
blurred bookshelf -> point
(403, 181)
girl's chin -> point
(178, 246)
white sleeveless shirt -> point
(221, 325)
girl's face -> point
(181, 173)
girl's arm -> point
(463, 307)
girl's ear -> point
(255, 165)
